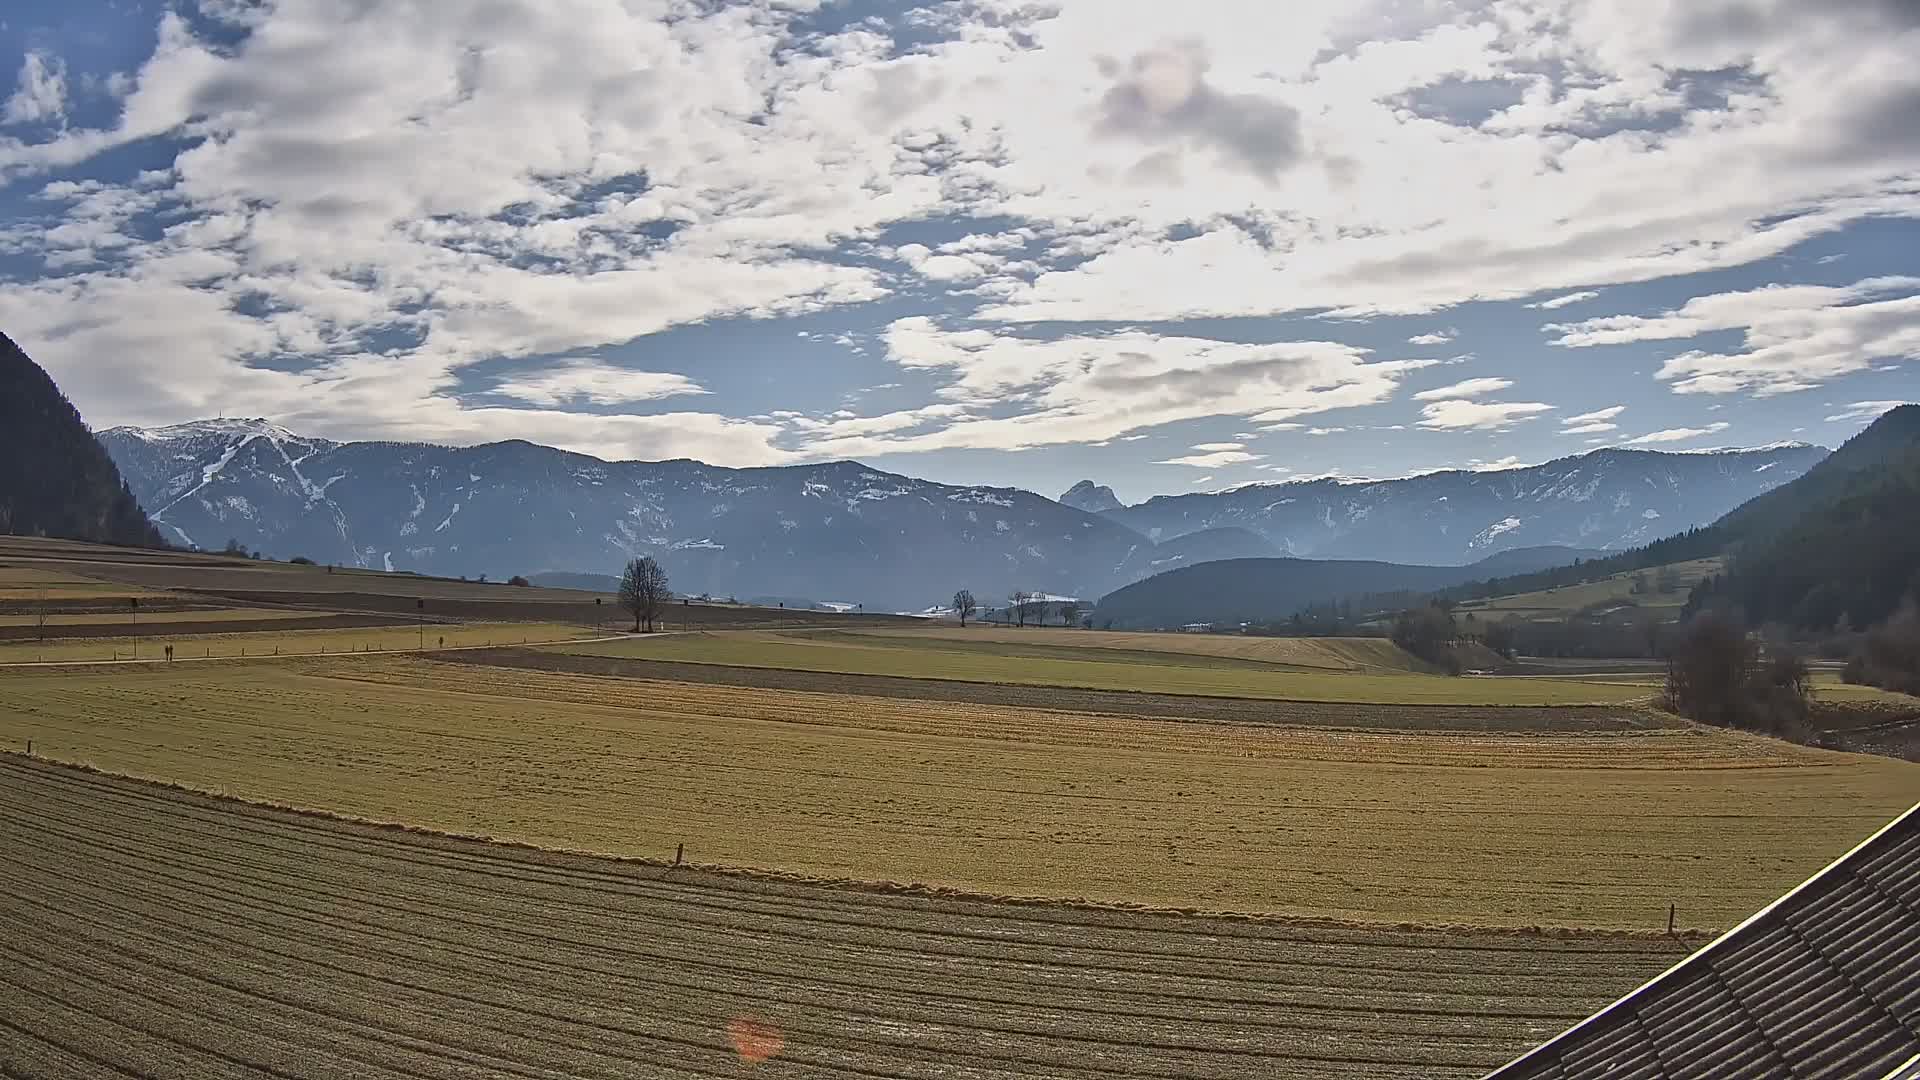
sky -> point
(1166, 247)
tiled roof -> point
(1822, 984)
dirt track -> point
(1507, 718)
(152, 932)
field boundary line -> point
(14, 758)
(1624, 705)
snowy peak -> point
(214, 429)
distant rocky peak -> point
(1090, 497)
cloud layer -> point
(375, 220)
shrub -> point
(518, 580)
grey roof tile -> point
(1824, 984)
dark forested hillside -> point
(55, 477)
(1850, 555)
(1266, 590)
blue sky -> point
(1165, 247)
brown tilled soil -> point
(1176, 706)
(1885, 728)
(152, 932)
(59, 631)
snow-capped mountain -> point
(1607, 499)
(837, 529)
(843, 530)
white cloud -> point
(42, 91)
(1458, 415)
(1438, 337)
(1499, 465)
(1795, 336)
(1214, 456)
(587, 380)
(1608, 413)
(1565, 299)
(1465, 389)
(351, 174)
(1679, 434)
(1865, 410)
(1590, 423)
(1018, 392)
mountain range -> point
(841, 531)
(1607, 499)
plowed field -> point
(1581, 830)
(154, 933)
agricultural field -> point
(26, 588)
(939, 656)
(1618, 589)
(1312, 654)
(155, 932)
(75, 578)
(1586, 830)
(250, 639)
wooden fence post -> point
(678, 852)
(1670, 910)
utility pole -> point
(133, 604)
(420, 605)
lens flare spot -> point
(754, 1039)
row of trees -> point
(1022, 608)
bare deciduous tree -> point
(963, 605)
(1069, 613)
(643, 591)
(1019, 605)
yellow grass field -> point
(35, 585)
(932, 656)
(150, 618)
(257, 936)
(1499, 830)
(187, 647)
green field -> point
(937, 657)
(1617, 589)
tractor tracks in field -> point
(155, 931)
